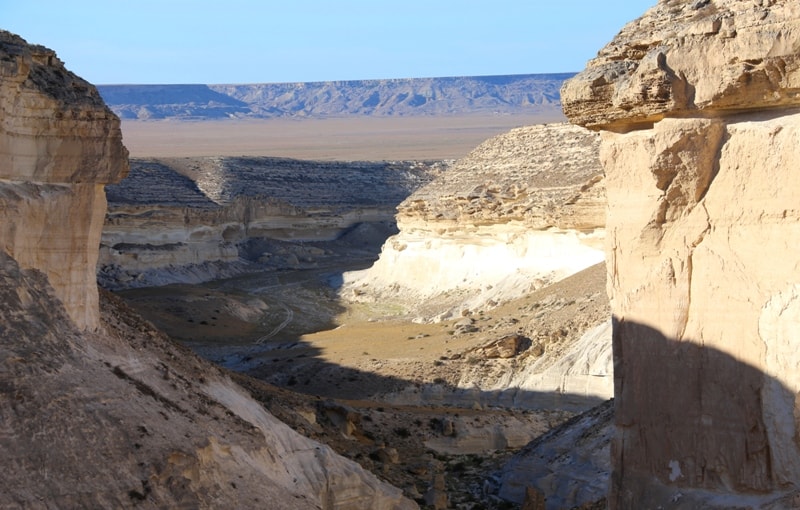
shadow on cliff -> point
(693, 417)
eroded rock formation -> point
(522, 210)
(195, 219)
(492, 95)
(98, 410)
(59, 144)
(699, 102)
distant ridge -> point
(506, 95)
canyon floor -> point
(378, 382)
(342, 374)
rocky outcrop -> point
(59, 144)
(577, 467)
(129, 418)
(522, 210)
(699, 101)
(194, 219)
(492, 95)
(99, 410)
(732, 56)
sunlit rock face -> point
(699, 102)
(522, 210)
(59, 145)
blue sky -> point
(256, 41)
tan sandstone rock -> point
(59, 144)
(687, 58)
(699, 99)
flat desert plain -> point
(334, 139)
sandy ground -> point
(343, 139)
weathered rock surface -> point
(194, 219)
(569, 466)
(58, 145)
(99, 410)
(702, 193)
(522, 210)
(125, 417)
(689, 59)
(515, 94)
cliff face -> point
(98, 409)
(698, 102)
(522, 210)
(59, 145)
(194, 219)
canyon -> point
(517, 342)
(88, 385)
(90, 379)
(312, 333)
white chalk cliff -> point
(698, 104)
(522, 210)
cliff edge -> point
(59, 144)
(698, 103)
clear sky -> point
(262, 41)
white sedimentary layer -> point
(491, 263)
(522, 210)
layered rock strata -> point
(522, 210)
(470, 95)
(699, 101)
(99, 410)
(59, 144)
(194, 219)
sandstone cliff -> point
(698, 101)
(522, 211)
(194, 219)
(52, 207)
(99, 410)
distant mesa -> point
(501, 95)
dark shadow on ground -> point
(209, 318)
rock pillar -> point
(59, 144)
(698, 104)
